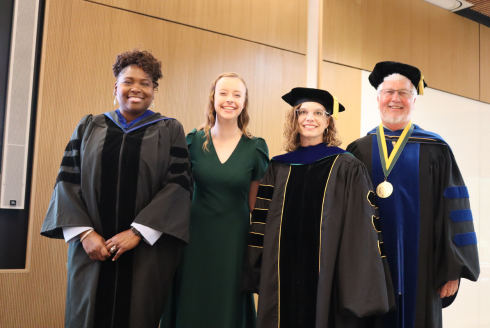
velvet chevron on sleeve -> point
(428, 231)
(361, 225)
(111, 176)
(67, 195)
(318, 261)
(174, 197)
(258, 223)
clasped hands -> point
(97, 248)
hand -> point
(449, 289)
(94, 246)
(123, 241)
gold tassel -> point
(421, 85)
(335, 108)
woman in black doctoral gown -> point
(315, 252)
(122, 201)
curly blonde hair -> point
(210, 112)
(292, 136)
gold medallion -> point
(384, 189)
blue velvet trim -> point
(126, 125)
(308, 155)
(465, 239)
(400, 219)
(461, 215)
(456, 192)
(137, 127)
(417, 133)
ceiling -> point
(480, 12)
(481, 6)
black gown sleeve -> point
(456, 253)
(362, 150)
(253, 257)
(353, 149)
(363, 285)
(169, 210)
(67, 207)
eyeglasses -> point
(316, 113)
(402, 93)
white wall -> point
(463, 123)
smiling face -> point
(395, 111)
(134, 92)
(229, 98)
(312, 126)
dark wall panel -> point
(5, 33)
(14, 223)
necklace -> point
(385, 189)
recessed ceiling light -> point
(451, 5)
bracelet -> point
(86, 234)
(136, 232)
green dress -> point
(207, 286)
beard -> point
(394, 119)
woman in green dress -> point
(227, 165)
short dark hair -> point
(143, 59)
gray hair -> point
(398, 77)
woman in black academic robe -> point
(124, 177)
(315, 254)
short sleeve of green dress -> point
(208, 293)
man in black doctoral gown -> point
(423, 203)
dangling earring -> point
(115, 100)
(152, 105)
(326, 131)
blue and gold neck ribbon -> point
(388, 162)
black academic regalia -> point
(314, 255)
(109, 178)
(427, 225)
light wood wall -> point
(342, 32)
(445, 46)
(485, 63)
(81, 40)
(264, 41)
(277, 23)
(345, 84)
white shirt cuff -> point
(149, 235)
(73, 233)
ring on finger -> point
(113, 249)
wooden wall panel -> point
(33, 298)
(396, 31)
(345, 84)
(454, 54)
(445, 46)
(419, 35)
(342, 31)
(385, 31)
(484, 63)
(277, 23)
(80, 44)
